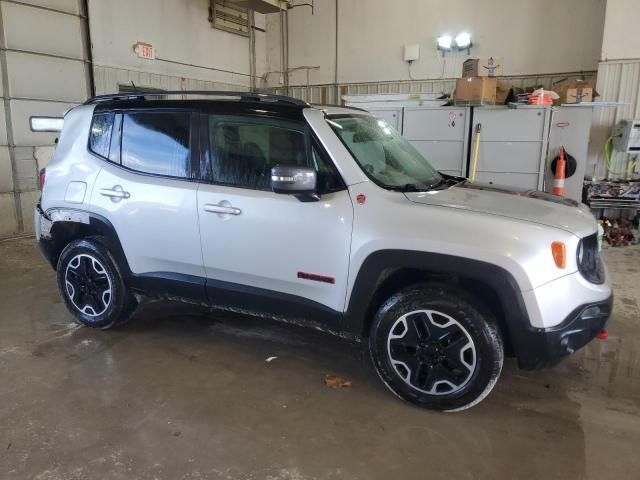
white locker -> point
(440, 135)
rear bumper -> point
(43, 235)
(540, 348)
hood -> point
(525, 205)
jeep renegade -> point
(323, 216)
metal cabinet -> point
(440, 135)
(513, 145)
(391, 115)
(571, 128)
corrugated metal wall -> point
(44, 72)
(328, 93)
(109, 79)
(618, 81)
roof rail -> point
(243, 96)
(320, 105)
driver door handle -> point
(222, 207)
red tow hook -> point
(602, 335)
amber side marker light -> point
(559, 253)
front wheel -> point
(436, 347)
(92, 286)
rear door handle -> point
(223, 207)
(116, 193)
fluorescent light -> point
(444, 42)
(463, 40)
(46, 124)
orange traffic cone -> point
(561, 166)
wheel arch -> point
(63, 232)
(386, 272)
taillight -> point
(43, 174)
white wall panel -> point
(21, 110)
(71, 6)
(63, 80)
(38, 30)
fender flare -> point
(378, 265)
(66, 224)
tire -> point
(436, 347)
(92, 286)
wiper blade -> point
(449, 181)
(408, 187)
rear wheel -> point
(435, 346)
(92, 286)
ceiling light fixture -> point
(444, 42)
(463, 41)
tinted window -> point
(244, 150)
(100, 134)
(157, 142)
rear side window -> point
(100, 133)
(157, 143)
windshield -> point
(385, 156)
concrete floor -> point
(181, 394)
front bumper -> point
(540, 348)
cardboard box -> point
(502, 92)
(574, 91)
(482, 67)
(476, 91)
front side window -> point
(100, 133)
(384, 155)
(245, 149)
(157, 143)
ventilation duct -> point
(261, 6)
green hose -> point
(609, 161)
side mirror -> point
(293, 180)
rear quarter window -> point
(100, 133)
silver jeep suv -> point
(322, 216)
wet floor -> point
(183, 394)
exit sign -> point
(145, 51)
